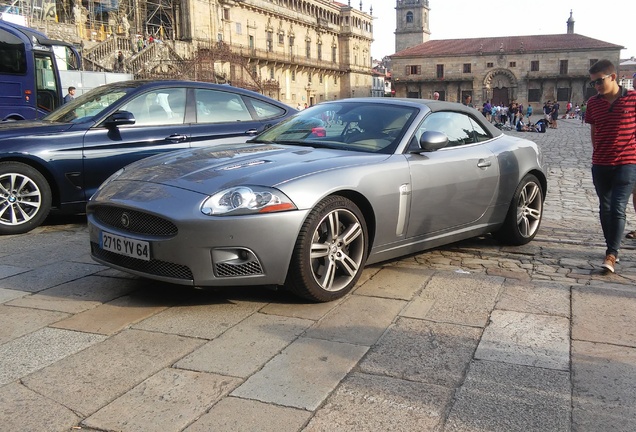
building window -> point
(291, 45)
(414, 70)
(281, 38)
(308, 49)
(239, 28)
(270, 41)
(335, 79)
(319, 51)
(271, 73)
(534, 95)
(409, 17)
(512, 64)
(293, 75)
(467, 67)
(320, 78)
(563, 69)
(333, 54)
(251, 42)
(490, 64)
(563, 94)
(592, 61)
(534, 67)
(219, 37)
(309, 78)
(226, 14)
(440, 71)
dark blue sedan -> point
(60, 161)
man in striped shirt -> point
(612, 115)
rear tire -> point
(25, 198)
(330, 252)
(524, 215)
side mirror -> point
(432, 141)
(120, 118)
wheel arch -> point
(365, 207)
(55, 198)
(542, 178)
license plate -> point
(125, 246)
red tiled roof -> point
(505, 45)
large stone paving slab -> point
(39, 349)
(90, 379)
(376, 403)
(78, 295)
(456, 298)
(604, 379)
(303, 375)
(397, 283)
(359, 320)
(24, 410)
(234, 414)
(547, 298)
(423, 351)
(246, 347)
(113, 316)
(504, 397)
(48, 276)
(165, 402)
(604, 313)
(526, 339)
(16, 322)
(200, 320)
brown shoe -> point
(609, 263)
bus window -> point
(12, 54)
(46, 85)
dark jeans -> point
(614, 186)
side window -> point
(215, 106)
(158, 107)
(480, 133)
(457, 127)
(266, 110)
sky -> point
(484, 19)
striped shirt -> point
(614, 129)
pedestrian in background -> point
(612, 116)
(529, 112)
(70, 95)
(436, 96)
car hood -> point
(36, 127)
(209, 169)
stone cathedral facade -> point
(527, 69)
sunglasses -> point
(599, 81)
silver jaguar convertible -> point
(310, 201)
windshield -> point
(347, 125)
(88, 105)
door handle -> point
(176, 138)
(483, 163)
(251, 132)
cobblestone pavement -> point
(468, 337)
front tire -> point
(330, 251)
(524, 215)
(25, 198)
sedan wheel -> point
(25, 198)
(525, 213)
(330, 252)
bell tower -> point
(412, 23)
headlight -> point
(246, 200)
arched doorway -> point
(500, 86)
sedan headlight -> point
(246, 200)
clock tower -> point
(412, 23)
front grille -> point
(152, 267)
(138, 222)
(231, 270)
